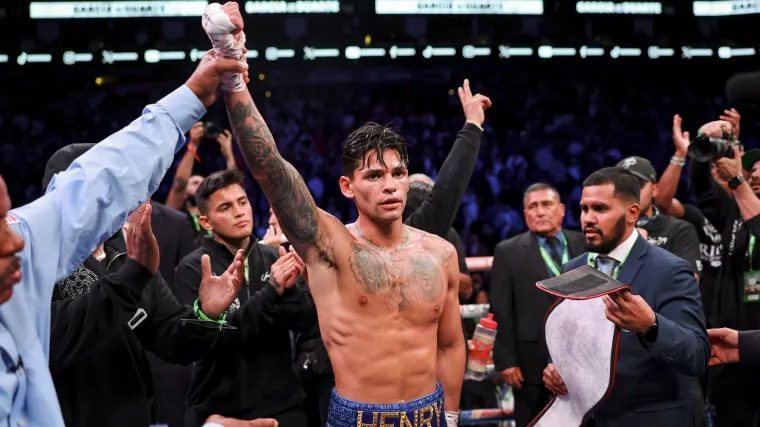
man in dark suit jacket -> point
(663, 339)
(520, 352)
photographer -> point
(708, 266)
(736, 211)
(182, 194)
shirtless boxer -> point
(386, 293)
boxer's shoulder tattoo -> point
(284, 187)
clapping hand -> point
(141, 243)
(286, 270)
(474, 106)
(680, 138)
(217, 293)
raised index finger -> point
(467, 91)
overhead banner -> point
(459, 7)
(115, 9)
(726, 7)
(619, 7)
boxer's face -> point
(10, 244)
(229, 214)
(605, 218)
(379, 191)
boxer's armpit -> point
(285, 189)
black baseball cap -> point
(750, 158)
(640, 167)
(61, 160)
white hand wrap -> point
(452, 418)
(219, 28)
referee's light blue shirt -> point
(83, 206)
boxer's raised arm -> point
(302, 222)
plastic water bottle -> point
(482, 343)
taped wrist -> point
(219, 29)
(452, 418)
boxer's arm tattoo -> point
(284, 187)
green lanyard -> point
(549, 261)
(751, 249)
(245, 264)
(198, 224)
(592, 262)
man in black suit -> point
(518, 306)
(663, 341)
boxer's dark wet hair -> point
(371, 137)
(627, 185)
(215, 182)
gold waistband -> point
(422, 417)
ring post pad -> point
(582, 344)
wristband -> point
(194, 152)
(476, 125)
(202, 316)
(678, 161)
(452, 418)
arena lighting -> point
(459, 7)
(508, 52)
(115, 9)
(109, 57)
(292, 6)
(726, 7)
(470, 52)
(71, 57)
(622, 8)
(618, 51)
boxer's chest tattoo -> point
(400, 275)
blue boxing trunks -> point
(426, 411)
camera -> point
(211, 130)
(704, 148)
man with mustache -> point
(663, 339)
(520, 351)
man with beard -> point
(663, 339)
(519, 307)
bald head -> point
(421, 177)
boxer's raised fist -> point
(207, 77)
